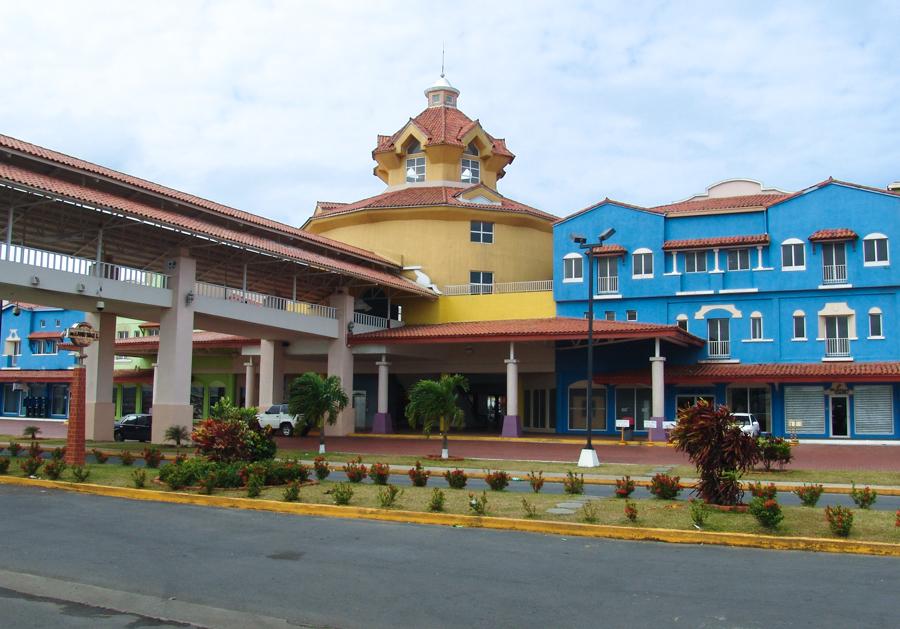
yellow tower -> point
(442, 218)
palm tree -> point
(31, 432)
(315, 400)
(177, 434)
(433, 402)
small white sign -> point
(623, 423)
(668, 425)
(649, 423)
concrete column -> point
(155, 384)
(172, 393)
(340, 360)
(512, 425)
(382, 423)
(657, 395)
(249, 384)
(99, 363)
(271, 373)
(75, 429)
(716, 268)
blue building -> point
(794, 294)
(35, 367)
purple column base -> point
(658, 433)
(382, 424)
(512, 427)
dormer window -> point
(413, 147)
(415, 169)
(471, 171)
(472, 148)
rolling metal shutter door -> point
(808, 405)
(873, 408)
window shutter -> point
(873, 408)
(806, 404)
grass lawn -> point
(799, 521)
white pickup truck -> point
(278, 418)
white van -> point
(278, 418)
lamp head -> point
(578, 239)
(607, 233)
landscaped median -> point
(804, 528)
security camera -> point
(101, 305)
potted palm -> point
(315, 400)
(434, 404)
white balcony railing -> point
(82, 266)
(374, 321)
(719, 349)
(505, 287)
(837, 347)
(606, 285)
(834, 274)
(217, 291)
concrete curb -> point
(561, 440)
(545, 527)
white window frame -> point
(793, 243)
(798, 314)
(609, 315)
(756, 327)
(481, 287)
(631, 315)
(682, 322)
(579, 266)
(876, 314)
(695, 255)
(875, 238)
(643, 255)
(481, 232)
(610, 279)
(474, 167)
(416, 164)
(735, 254)
(40, 347)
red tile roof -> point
(200, 339)
(841, 233)
(421, 196)
(721, 241)
(609, 250)
(35, 375)
(232, 234)
(719, 204)
(61, 159)
(148, 324)
(46, 335)
(557, 328)
(767, 372)
(442, 125)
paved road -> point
(220, 565)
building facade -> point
(794, 294)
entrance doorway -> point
(840, 418)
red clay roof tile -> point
(443, 125)
(721, 241)
(840, 233)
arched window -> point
(573, 267)
(799, 327)
(642, 263)
(682, 322)
(415, 161)
(793, 255)
(875, 250)
(876, 327)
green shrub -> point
(774, 450)
(631, 511)
(35, 450)
(99, 456)
(573, 483)
(14, 448)
(437, 500)
(665, 487)
(457, 478)
(497, 480)
(418, 475)
(4, 465)
(31, 465)
(342, 493)
(809, 494)
(767, 511)
(80, 473)
(209, 483)
(139, 478)
(387, 496)
(380, 473)
(54, 468)
(590, 512)
(536, 480)
(840, 520)
(254, 486)
(864, 498)
(58, 454)
(126, 458)
(355, 470)
(321, 467)
(152, 457)
(624, 487)
(767, 492)
(699, 512)
(291, 493)
(528, 509)
(478, 504)
(177, 476)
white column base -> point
(588, 458)
(321, 448)
(445, 453)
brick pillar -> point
(75, 432)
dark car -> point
(135, 426)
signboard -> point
(668, 425)
(623, 423)
(82, 334)
(649, 423)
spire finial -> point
(442, 59)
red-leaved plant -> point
(624, 487)
(379, 473)
(758, 490)
(418, 475)
(355, 470)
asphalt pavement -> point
(73, 560)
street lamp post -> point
(588, 456)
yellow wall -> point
(494, 307)
(437, 238)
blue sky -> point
(270, 106)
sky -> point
(269, 106)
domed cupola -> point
(441, 93)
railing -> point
(606, 285)
(216, 291)
(837, 347)
(533, 286)
(834, 274)
(374, 321)
(719, 349)
(82, 266)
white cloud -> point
(272, 106)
